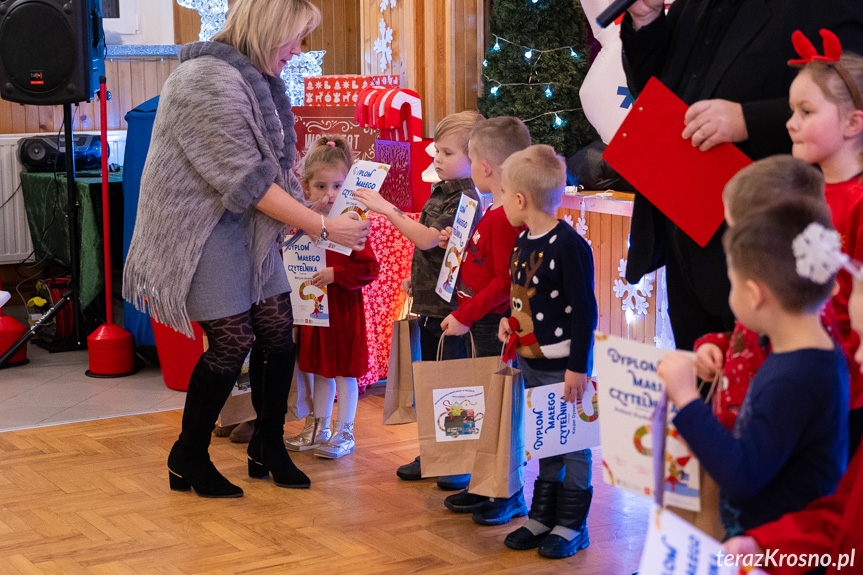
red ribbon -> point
(514, 339)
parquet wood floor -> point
(93, 498)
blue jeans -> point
(574, 469)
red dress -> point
(830, 525)
(845, 200)
(341, 349)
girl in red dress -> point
(336, 355)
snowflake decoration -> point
(580, 227)
(212, 14)
(634, 296)
(301, 66)
(384, 3)
(382, 45)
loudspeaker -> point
(47, 154)
(51, 51)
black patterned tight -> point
(267, 325)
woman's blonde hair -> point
(326, 151)
(258, 28)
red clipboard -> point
(683, 182)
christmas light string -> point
(528, 55)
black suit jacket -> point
(749, 67)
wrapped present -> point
(342, 90)
(404, 186)
(312, 122)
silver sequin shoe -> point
(316, 432)
(341, 443)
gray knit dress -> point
(223, 134)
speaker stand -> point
(71, 210)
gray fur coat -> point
(223, 134)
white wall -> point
(148, 22)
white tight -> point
(324, 391)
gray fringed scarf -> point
(178, 208)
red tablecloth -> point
(384, 297)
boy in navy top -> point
(552, 318)
(788, 445)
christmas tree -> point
(534, 68)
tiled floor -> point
(53, 389)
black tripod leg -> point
(64, 299)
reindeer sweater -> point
(552, 302)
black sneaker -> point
(410, 471)
(464, 502)
(498, 511)
(453, 482)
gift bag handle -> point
(440, 347)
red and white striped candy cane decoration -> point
(401, 109)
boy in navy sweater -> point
(789, 443)
(552, 318)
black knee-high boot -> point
(572, 508)
(542, 509)
(189, 464)
(270, 377)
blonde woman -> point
(216, 192)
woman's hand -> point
(348, 230)
(713, 122)
(678, 374)
(708, 361)
(644, 12)
(324, 277)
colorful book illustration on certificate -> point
(461, 229)
(458, 413)
(629, 390)
(302, 260)
(553, 426)
(363, 174)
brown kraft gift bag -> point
(498, 468)
(404, 349)
(449, 428)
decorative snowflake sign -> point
(818, 252)
(634, 296)
(392, 4)
(382, 46)
(301, 66)
(212, 15)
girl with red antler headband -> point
(826, 129)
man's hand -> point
(708, 360)
(451, 326)
(713, 122)
(573, 385)
(678, 374)
(407, 287)
(503, 330)
(444, 236)
(324, 277)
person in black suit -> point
(727, 59)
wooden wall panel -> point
(436, 47)
(339, 34)
(130, 83)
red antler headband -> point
(832, 53)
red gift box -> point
(312, 122)
(404, 186)
(342, 90)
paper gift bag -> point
(498, 467)
(451, 401)
(399, 395)
(300, 397)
